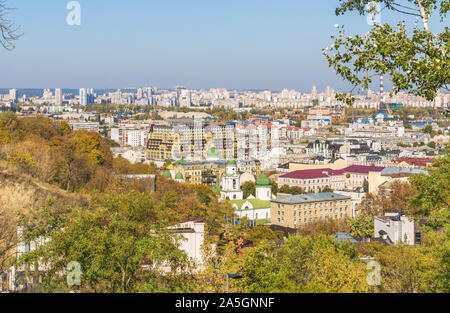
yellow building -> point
(299, 210)
(172, 142)
(209, 172)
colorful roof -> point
(167, 174)
(256, 203)
(179, 176)
(231, 162)
(362, 169)
(263, 180)
(310, 174)
(212, 152)
(181, 161)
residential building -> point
(394, 228)
(299, 210)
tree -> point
(431, 192)
(366, 185)
(121, 243)
(7, 236)
(361, 226)
(416, 60)
(9, 33)
(304, 264)
(249, 188)
(428, 129)
(294, 190)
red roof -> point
(307, 174)
(363, 169)
(422, 162)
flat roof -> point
(311, 197)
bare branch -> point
(9, 32)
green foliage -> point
(361, 226)
(294, 190)
(417, 61)
(113, 240)
(431, 191)
(303, 264)
(249, 188)
(428, 129)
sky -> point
(234, 44)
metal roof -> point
(312, 197)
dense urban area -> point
(189, 191)
(169, 190)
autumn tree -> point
(249, 189)
(121, 242)
(304, 264)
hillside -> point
(19, 191)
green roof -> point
(179, 176)
(231, 162)
(181, 161)
(263, 180)
(167, 174)
(257, 203)
(212, 152)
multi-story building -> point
(299, 210)
(210, 173)
(395, 228)
(58, 97)
(190, 141)
(315, 180)
(89, 126)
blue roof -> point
(311, 197)
(340, 236)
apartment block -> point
(299, 210)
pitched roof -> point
(363, 169)
(315, 173)
(256, 203)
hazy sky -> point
(235, 44)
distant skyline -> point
(199, 44)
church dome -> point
(263, 180)
(231, 162)
(212, 152)
(167, 174)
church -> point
(254, 208)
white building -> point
(83, 97)
(58, 96)
(192, 231)
(231, 183)
(394, 228)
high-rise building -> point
(83, 97)
(58, 96)
(140, 93)
(314, 92)
(13, 95)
